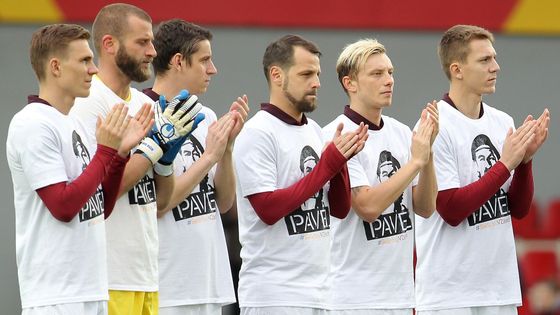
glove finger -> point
(177, 102)
(191, 106)
(188, 118)
(189, 126)
(199, 117)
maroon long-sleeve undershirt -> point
(112, 183)
(456, 204)
(273, 206)
(65, 200)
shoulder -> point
(395, 124)
(497, 114)
(140, 96)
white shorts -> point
(85, 308)
(407, 311)
(481, 310)
(196, 309)
(282, 310)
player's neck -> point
(57, 98)
(371, 113)
(467, 103)
(286, 106)
(115, 80)
(167, 86)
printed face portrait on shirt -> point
(308, 160)
(484, 154)
(80, 149)
(387, 166)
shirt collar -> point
(283, 116)
(356, 118)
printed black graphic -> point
(397, 221)
(94, 206)
(80, 149)
(201, 202)
(313, 214)
(485, 155)
(143, 193)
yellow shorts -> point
(133, 303)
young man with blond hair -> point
(392, 178)
(466, 252)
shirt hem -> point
(221, 301)
(133, 288)
(48, 302)
(468, 304)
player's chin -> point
(83, 93)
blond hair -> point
(354, 56)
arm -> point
(456, 204)
(164, 189)
(225, 182)
(135, 169)
(273, 206)
(520, 194)
(65, 200)
(112, 182)
(425, 193)
(225, 175)
(215, 145)
(369, 202)
(340, 198)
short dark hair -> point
(52, 40)
(386, 156)
(281, 52)
(307, 152)
(454, 45)
(112, 20)
(481, 140)
(177, 36)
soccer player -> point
(122, 36)
(63, 191)
(283, 227)
(372, 250)
(466, 252)
(194, 272)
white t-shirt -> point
(285, 264)
(58, 262)
(473, 264)
(371, 263)
(132, 237)
(193, 258)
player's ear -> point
(349, 84)
(54, 67)
(455, 70)
(109, 44)
(276, 75)
(177, 61)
